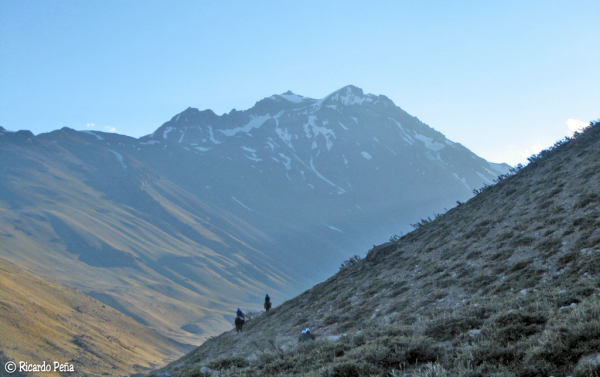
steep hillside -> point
(44, 321)
(506, 284)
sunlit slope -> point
(131, 239)
(506, 284)
(44, 321)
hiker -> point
(306, 335)
(267, 302)
(240, 314)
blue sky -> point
(501, 77)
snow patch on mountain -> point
(430, 143)
(388, 148)
(211, 136)
(485, 179)
(119, 158)
(397, 123)
(242, 204)
(271, 144)
(285, 136)
(312, 167)
(288, 161)
(93, 134)
(256, 122)
(327, 133)
(349, 98)
(166, 131)
(333, 228)
(462, 180)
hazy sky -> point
(501, 77)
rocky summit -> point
(324, 177)
(506, 284)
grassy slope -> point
(44, 321)
(503, 285)
(176, 282)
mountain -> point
(44, 321)
(316, 175)
(506, 284)
(208, 213)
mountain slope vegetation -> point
(506, 284)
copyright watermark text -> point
(24, 366)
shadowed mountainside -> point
(506, 284)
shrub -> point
(493, 354)
(448, 328)
(228, 363)
(279, 366)
(331, 319)
(550, 246)
(520, 265)
(512, 326)
(587, 200)
(194, 372)
(348, 369)
(523, 241)
(350, 262)
(569, 336)
(395, 352)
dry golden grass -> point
(44, 321)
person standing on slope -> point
(267, 302)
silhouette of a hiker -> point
(267, 302)
(240, 314)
